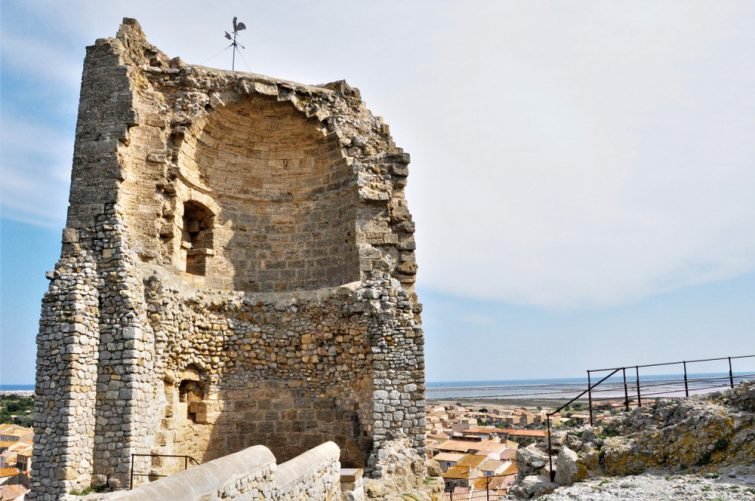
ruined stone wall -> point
(238, 268)
(286, 195)
(250, 474)
(305, 184)
(66, 373)
(289, 371)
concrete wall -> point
(249, 475)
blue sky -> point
(581, 176)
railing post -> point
(550, 451)
(686, 386)
(626, 389)
(731, 375)
(589, 396)
(131, 480)
(639, 398)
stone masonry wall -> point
(66, 373)
(286, 195)
(250, 474)
(237, 269)
(343, 164)
(289, 371)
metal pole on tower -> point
(233, 58)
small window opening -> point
(197, 237)
(188, 392)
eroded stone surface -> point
(237, 268)
(729, 485)
(700, 437)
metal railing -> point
(658, 386)
(154, 475)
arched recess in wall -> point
(186, 397)
(197, 236)
(288, 199)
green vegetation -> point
(17, 409)
(408, 496)
(609, 432)
(88, 490)
(720, 445)
(81, 492)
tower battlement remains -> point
(237, 268)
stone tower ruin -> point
(237, 268)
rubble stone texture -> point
(250, 474)
(237, 268)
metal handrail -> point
(673, 363)
(548, 419)
(686, 380)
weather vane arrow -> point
(237, 26)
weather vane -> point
(237, 26)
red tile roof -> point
(471, 461)
(461, 472)
(12, 492)
(514, 432)
(9, 472)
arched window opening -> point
(189, 392)
(197, 237)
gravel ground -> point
(733, 483)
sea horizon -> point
(482, 383)
(568, 387)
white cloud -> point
(595, 159)
(564, 154)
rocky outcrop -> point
(396, 468)
(736, 484)
(567, 467)
(433, 468)
(532, 486)
(530, 460)
(681, 434)
(703, 434)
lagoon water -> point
(16, 387)
(651, 386)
